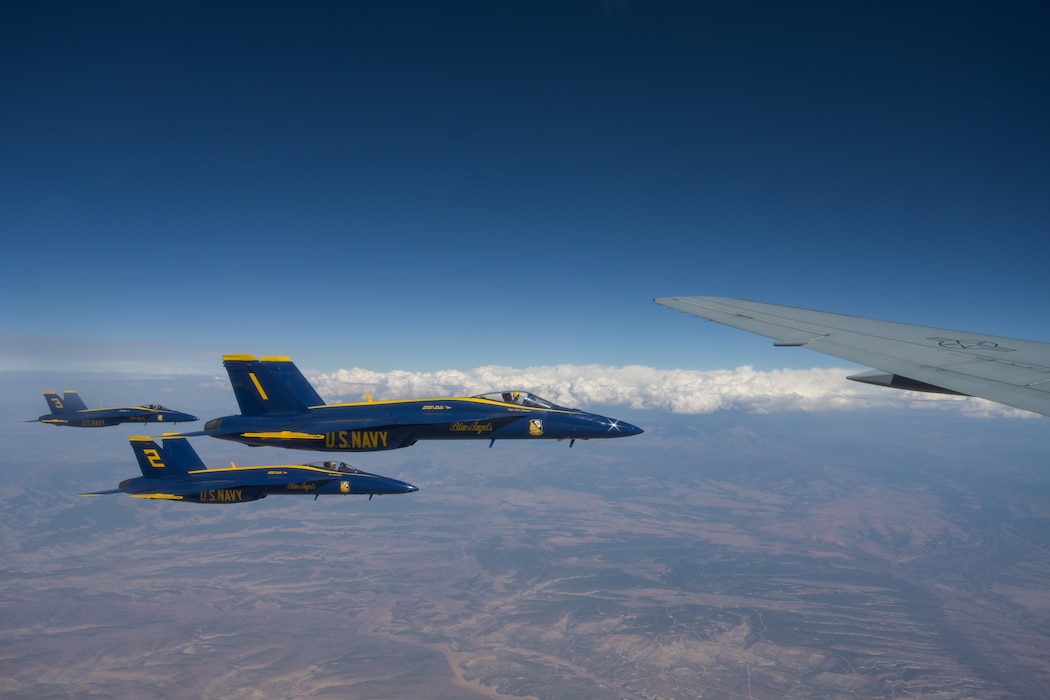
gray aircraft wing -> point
(917, 358)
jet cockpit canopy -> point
(337, 467)
(522, 398)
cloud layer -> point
(638, 387)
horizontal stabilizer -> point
(197, 433)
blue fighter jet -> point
(280, 408)
(69, 409)
(174, 472)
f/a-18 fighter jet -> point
(175, 472)
(280, 408)
(70, 409)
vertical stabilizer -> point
(69, 402)
(180, 452)
(55, 403)
(154, 461)
(283, 370)
(262, 392)
(73, 401)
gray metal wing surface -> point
(1009, 371)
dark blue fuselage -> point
(101, 417)
(387, 425)
(243, 484)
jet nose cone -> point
(628, 429)
(394, 486)
(619, 428)
(592, 425)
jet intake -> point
(896, 381)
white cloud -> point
(639, 387)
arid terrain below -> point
(726, 562)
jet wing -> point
(1005, 370)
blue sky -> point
(427, 198)
(434, 186)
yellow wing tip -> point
(237, 357)
(275, 358)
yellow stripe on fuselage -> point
(290, 467)
(284, 435)
(469, 399)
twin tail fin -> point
(269, 385)
(69, 402)
(174, 460)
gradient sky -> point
(427, 186)
(434, 198)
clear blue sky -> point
(448, 185)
